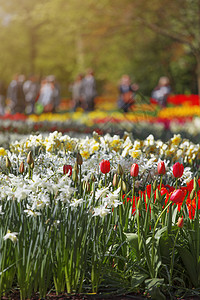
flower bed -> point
(104, 215)
(140, 124)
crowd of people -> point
(28, 95)
(127, 93)
(84, 91)
(31, 96)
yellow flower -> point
(95, 147)
(2, 152)
(85, 154)
(176, 139)
(115, 145)
(135, 153)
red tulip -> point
(178, 170)
(161, 168)
(180, 222)
(104, 166)
(67, 169)
(134, 170)
(177, 196)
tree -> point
(179, 20)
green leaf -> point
(138, 278)
(132, 239)
(189, 263)
(152, 286)
(153, 282)
(160, 232)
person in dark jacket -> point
(2, 97)
(89, 90)
(126, 93)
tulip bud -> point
(134, 170)
(180, 222)
(192, 194)
(74, 175)
(92, 177)
(29, 158)
(155, 184)
(21, 168)
(122, 184)
(158, 195)
(196, 185)
(8, 163)
(139, 204)
(86, 186)
(79, 159)
(178, 170)
(32, 165)
(161, 168)
(120, 170)
(115, 180)
(76, 167)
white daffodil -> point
(76, 202)
(101, 211)
(1, 212)
(99, 193)
(31, 213)
(11, 236)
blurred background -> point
(145, 39)
(50, 48)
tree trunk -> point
(33, 43)
(79, 53)
(197, 55)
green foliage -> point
(66, 37)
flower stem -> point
(172, 257)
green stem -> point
(161, 181)
(153, 239)
(80, 179)
(133, 192)
(197, 226)
(172, 257)
(29, 172)
(138, 230)
(176, 183)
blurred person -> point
(45, 100)
(12, 93)
(31, 90)
(77, 92)
(2, 97)
(16, 94)
(89, 90)
(56, 92)
(162, 91)
(21, 103)
(126, 93)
